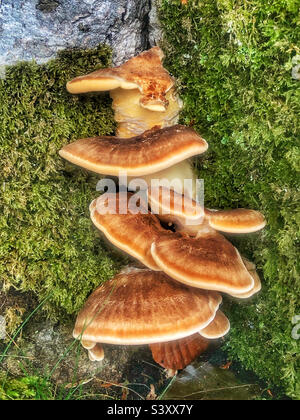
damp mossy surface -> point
(233, 63)
(47, 244)
(24, 388)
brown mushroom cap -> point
(96, 354)
(169, 203)
(236, 221)
(219, 327)
(179, 209)
(179, 353)
(132, 233)
(144, 72)
(257, 283)
(88, 345)
(144, 307)
(150, 152)
(208, 262)
(186, 217)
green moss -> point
(233, 62)
(24, 388)
(47, 243)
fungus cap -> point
(257, 283)
(88, 345)
(96, 354)
(150, 152)
(178, 354)
(219, 327)
(173, 205)
(144, 307)
(208, 261)
(131, 232)
(144, 72)
(236, 221)
(189, 216)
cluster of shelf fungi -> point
(170, 297)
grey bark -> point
(38, 29)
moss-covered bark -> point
(233, 61)
(47, 242)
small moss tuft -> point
(24, 388)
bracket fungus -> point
(144, 97)
(189, 216)
(96, 353)
(257, 283)
(208, 261)
(236, 220)
(219, 327)
(143, 92)
(148, 153)
(172, 303)
(198, 238)
(131, 232)
(177, 354)
(140, 306)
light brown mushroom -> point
(130, 232)
(142, 90)
(96, 354)
(144, 307)
(153, 151)
(166, 201)
(177, 354)
(144, 72)
(257, 283)
(208, 261)
(88, 345)
(219, 327)
(189, 216)
(236, 220)
(144, 97)
(175, 208)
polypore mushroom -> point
(175, 208)
(144, 97)
(142, 91)
(177, 354)
(189, 216)
(257, 284)
(96, 354)
(140, 306)
(217, 328)
(131, 232)
(236, 220)
(150, 152)
(208, 261)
